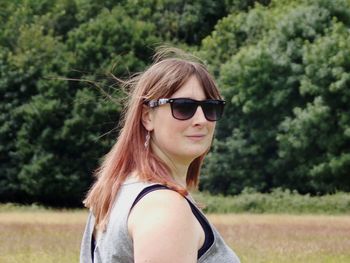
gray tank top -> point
(115, 244)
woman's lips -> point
(196, 137)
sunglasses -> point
(184, 108)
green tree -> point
(50, 128)
(314, 141)
(21, 83)
(265, 81)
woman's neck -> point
(177, 166)
(179, 173)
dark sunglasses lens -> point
(183, 109)
(213, 109)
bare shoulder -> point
(161, 196)
(158, 205)
(164, 217)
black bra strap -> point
(209, 235)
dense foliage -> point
(283, 67)
(278, 201)
(286, 79)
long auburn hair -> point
(163, 78)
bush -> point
(278, 201)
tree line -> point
(282, 66)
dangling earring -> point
(148, 137)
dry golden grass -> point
(41, 236)
(54, 236)
(286, 238)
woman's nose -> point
(199, 116)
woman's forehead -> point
(190, 89)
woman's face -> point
(181, 141)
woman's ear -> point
(147, 118)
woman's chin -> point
(195, 153)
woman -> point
(140, 209)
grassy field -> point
(38, 236)
(287, 238)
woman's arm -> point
(164, 229)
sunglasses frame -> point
(162, 101)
